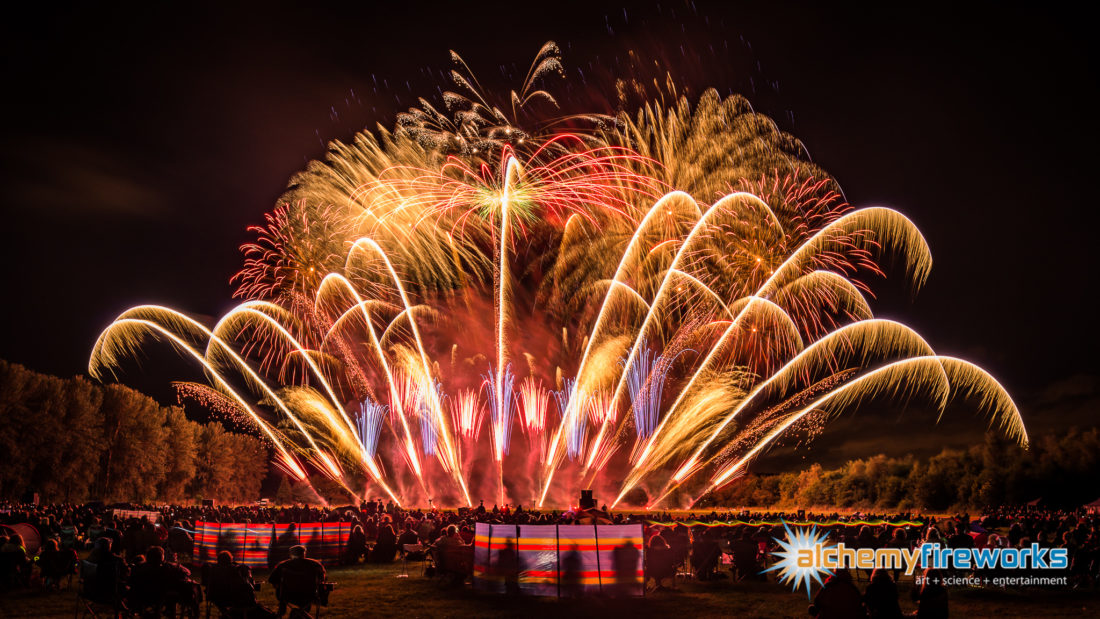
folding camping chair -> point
(454, 563)
(406, 550)
(92, 593)
(225, 610)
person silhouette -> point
(570, 574)
(228, 540)
(626, 564)
(279, 550)
(508, 566)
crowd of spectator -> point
(146, 564)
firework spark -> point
(681, 283)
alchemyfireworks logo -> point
(806, 554)
(791, 564)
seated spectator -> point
(931, 596)
(408, 537)
(180, 542)
(659, 564)
(230, 588)
(161, 586)
(113, 531)
(370, 529)
(959, 537)
(357, 545)
(131, 538)
(453, 559)
(103, 574)
(386, 549)
(147, 536)
(297, 580)
(426, 529)
(55, 564)
(68, 534)
(95, 531)
(899, 539)
(449, 539)
(838, 599)
(466, 533)
(15, 566)
(932, 536)
(881, 596)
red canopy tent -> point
(32, 540)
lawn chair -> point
(418, 552)
(660, 565)
(225, 610)
(455, 563)
(320, 600)
(300, 594)
(98, 592)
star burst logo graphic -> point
(790, 569)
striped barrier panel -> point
(559, 560)
(264, 545)
(324, 541)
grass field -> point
(376, 591)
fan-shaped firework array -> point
(466, 307)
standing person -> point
(626, 560)
(745, 550)
(570, 576)
(508, 566)
(280, 550)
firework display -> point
(491, 302)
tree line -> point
(1061, 470)
(74, 440)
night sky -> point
(139, 143)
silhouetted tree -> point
(74, 440)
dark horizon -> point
(140, 143)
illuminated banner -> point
(559, 560)
(264, 545)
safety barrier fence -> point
(559, 560)
(264, 545)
